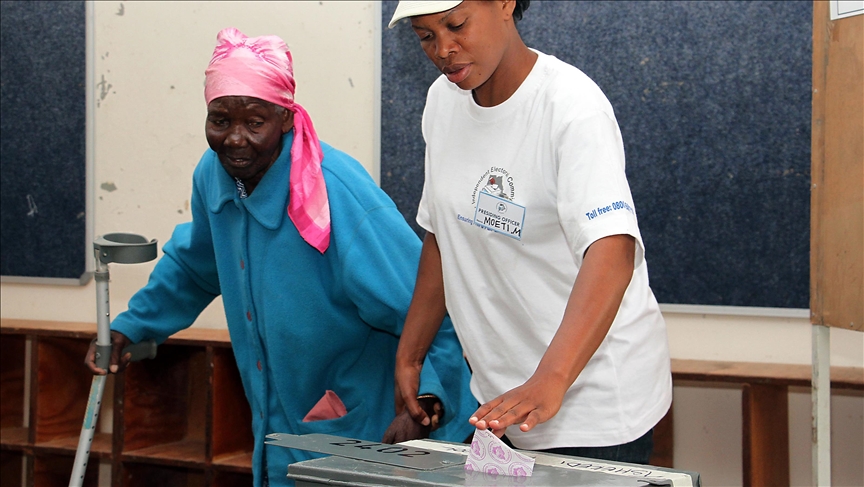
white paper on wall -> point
(846, 8)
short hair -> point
(521, 6)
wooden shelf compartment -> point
(13, 432)
(147, 475)
(237, 463)
(232, 441)
(231, 479)
(99, 448)
(11, 467)
(54, 471)
(162, 406)
(14, 439)
(62, 388)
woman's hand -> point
(119, 341)
(405, 428)
(407, 377)
(528, 405)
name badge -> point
(499, 215)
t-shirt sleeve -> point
(594, 199)
(426, 210)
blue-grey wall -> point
(42, 139)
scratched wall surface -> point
(42, 160)
(713, 101)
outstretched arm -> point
(424, 318)
(594, 301)
(183, 283)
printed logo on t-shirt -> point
(494, 208)
(497, 182)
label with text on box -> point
(499, 215)
(395, 455)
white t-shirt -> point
(515, 194)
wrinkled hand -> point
(119, 341)
(407, 379)
(405, 428)
(528, 405)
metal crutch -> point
(123, 248)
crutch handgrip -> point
(141, 350)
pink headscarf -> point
(262, 67)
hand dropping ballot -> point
(491, 456)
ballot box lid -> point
(344, 471)
(424, 463)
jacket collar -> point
(268, 203)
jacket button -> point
(249, 315)
(242, 264)
(259, 365)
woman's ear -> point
(287, 121)
(507, 8)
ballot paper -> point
(490, 455)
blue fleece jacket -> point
(302, 322)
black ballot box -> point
(427, 463)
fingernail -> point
(425, 422)
(472, 419)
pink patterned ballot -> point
(490, 455)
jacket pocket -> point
(352, 421)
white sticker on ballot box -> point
(499, 215)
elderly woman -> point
(547, 283)
(314, 263)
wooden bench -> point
(764, 406)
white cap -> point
(412, 9)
